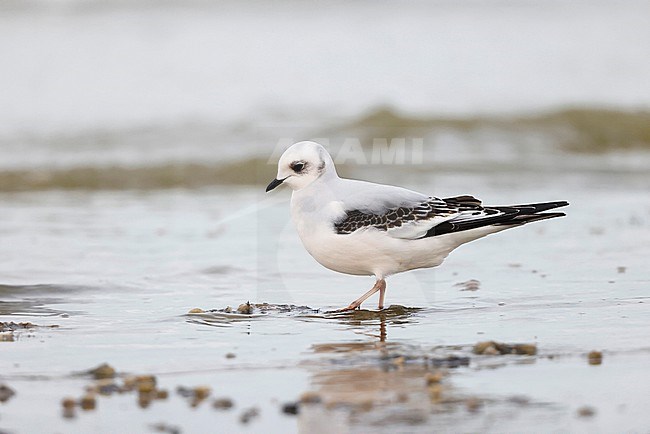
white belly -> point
(372, 252)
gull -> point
(362, 228)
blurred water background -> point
(136, 138)
(156, 89)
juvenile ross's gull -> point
(362, 228)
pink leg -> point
(382, 293)
(380, 285)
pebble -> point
(88, 402)
(291, 408)
(310, 398)
(223, 403)
(201, 392)
(433, 378)
(102, 372)
(245, 308)
(145, 387)
(6, 393)
(492, 348)
(68, 403)
(249, 415)
(164, 428)
(473, 404)
(595, 358)
(586, 411)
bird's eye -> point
(298, 166)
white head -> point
(301, 164)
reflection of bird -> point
(361, 228)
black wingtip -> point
(520, 220)
(534, 208)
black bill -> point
(274, 184)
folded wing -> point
(434, 216)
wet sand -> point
(111, 277)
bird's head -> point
(301, 164)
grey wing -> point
(412, 222)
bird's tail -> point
(531, 212)
(479, 216)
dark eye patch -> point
(298, 166)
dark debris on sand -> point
(13, 326)
(6, 393)
(248, 308)
(492, 348)
(7, 329)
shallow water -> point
(135, 143)
(118, 272)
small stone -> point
(201, 392)
(310, 398)
(519, 400)
(6, 393)
(595, 358)
(185, 392)
(129, 383)
(88, 402)
(106, 387)
(249, 415)
(230, 355)
(433, 378)
(245, 308)
(526, 349)
(149, 380)
(223, 404)
(483, 347)
(473, 404)
(196, 310)
(492, 348)
(621, 269)
(162, 394)
(103, 371)
(164, 428)
(68, 403)
(586, 411)
(145, 387)
(291, 408)
(69, 413)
